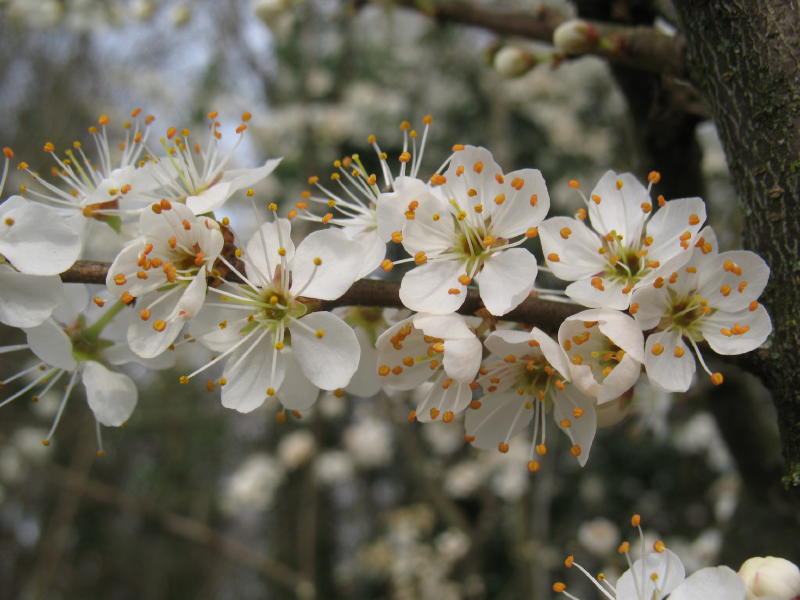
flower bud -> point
(770, 577)
(575, 37)
(512, 61)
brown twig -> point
(640, 47)
(184, 527)
(545, 314)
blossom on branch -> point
(631, 243)
(438, 347)
(165, 271)
(467, 225)
(713, 297)
(526, 376)
(275, 343)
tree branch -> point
(744, 57)
(183, 527)
(643, 48)
(545, 314)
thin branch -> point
(643, 48)
(545, 314)
(183, 527)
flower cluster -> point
(650, 285)
(659, 573)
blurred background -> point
(352, 500)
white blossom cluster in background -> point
(659, 573)
(649, 274)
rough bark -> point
(744, 57)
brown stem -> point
(183, 527)
(545, 314)
(643, 48)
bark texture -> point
(744, 57)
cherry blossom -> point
(713, 297)
(632, 242)
(605, 350)
(166, 269)
(367, 213)
(198, 175)
(96, 188)
(467, 225)
(660, 573)
(67, 351)
(526, 375)
(275, 343)
(426, 347)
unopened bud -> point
(770, 577)
(575, 37)
(512, 61)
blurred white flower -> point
(297, 448)
(333, 467)
(369, 442)
(599, 536)
(251, 488)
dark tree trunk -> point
(744, 57)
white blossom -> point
(632, 244)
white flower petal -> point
(443, 397)
(142, 337)
(498, 419)
(342, 261)
(35, 238)
(651, 305)
(432, 230)
(111, 396)
(667, 370)
(210, 199)
(711, 583)
(668, 570)
(620, 208)
(328, 361)
(503, 342)
(395, 357)
(552, 352)
(726, 290)
(473, 168)
(577, 254)
(611, 296)
(426, 288)
(525, 205)
(297, 392)
(49, 342)
(462, 359)
(365, 382)
(453, 326)
(756, 322)
(73, 303)
(391, 206)
(218, 328)
(249, 374)
(506, 279)
(669, 223)
(246, 178)
(581, 429)
(27, 300)
(261, 253)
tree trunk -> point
(744, 57)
